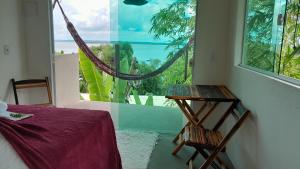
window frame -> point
(278, 77)
(275, 74)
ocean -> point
(142, 51)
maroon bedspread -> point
(57, 138)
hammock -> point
(105, 67)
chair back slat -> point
(32, 83)
(214, 138)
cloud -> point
(107, 19)
(90, 17)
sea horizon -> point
(143, 51)
(116, 42)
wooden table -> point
(208, 94)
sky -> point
(90, 17)
(108, 20)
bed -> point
(57, 138)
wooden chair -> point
(211, 143)
(32, 83)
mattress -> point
(9, 159)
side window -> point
(271, 38)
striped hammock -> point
(105, 67)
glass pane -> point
(133, 37)
(290, 57)
(263, 32)
(147, 36)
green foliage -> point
(149, 101)
(62, 52)
(173, 22)
(83, 85)
(290, 60)
(92, 84)
(151, 85)
(96, 83)
(105, 53)
(175, 74)
(121, 86)
(260, 50)
(126, 52)
(136, 97)
(100, 85)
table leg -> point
(186, 112)
(205, 155)
(180, 145)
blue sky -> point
(104, 20)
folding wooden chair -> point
(32, 83)
(179, 136)
(211, 143)
(209, 95)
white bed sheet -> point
(9, 159)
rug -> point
(136, 148)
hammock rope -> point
(105, 67)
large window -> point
(271, 38)
(133, 37)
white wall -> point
(211, 42)
(271, 136)
(211, 48)
(25, 29)
(66, 80)
(38, 46)
(13, 64)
